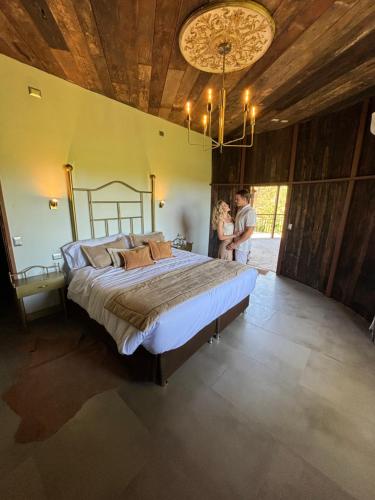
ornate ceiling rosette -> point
(247, 28)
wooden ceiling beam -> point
(352, 83)
(75, 42)
(21, 21)
(89, 27)
(284, 74)
(165, 32)
(129, 50)
(289, 31)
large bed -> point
(161, 348)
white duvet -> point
(91, 288)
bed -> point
(160, 349)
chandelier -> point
(222, 38)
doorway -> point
(269, 203)
(7, 264)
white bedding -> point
(91, 288)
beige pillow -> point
(137, 257)
(160, 249)
(98, 256)
(139, 239)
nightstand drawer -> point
(39, 286)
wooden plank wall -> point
(324, 158)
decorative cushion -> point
(137, 257)
(74, 256)
(116, 256)
(141, 239)
(98, 255)
(160, 249)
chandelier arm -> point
(243, 131)
(237, 145)
(189, 141)
(230, 143)
(236, 140)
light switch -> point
(290, 227)
(17, 241)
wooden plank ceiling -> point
(323, 53)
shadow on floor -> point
(61, 371)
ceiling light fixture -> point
(222, 38)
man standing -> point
(244, 224)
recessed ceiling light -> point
(275, 120)
(284, 121)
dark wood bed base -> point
(158, 368)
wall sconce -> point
(53, 204)
(161, 203)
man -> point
(244, 224)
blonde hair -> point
(217, 214)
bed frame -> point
(157, 368)
(146, 366)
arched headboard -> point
(117, 203)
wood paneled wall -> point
(331, 245)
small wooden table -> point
(188, 246)
(25, 286)
(181, 244)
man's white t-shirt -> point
(246, 217)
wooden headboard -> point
(120, 215)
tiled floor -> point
(265, 251)
(282, 407)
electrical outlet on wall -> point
(56, 256)
(17, 241)
(290, 227)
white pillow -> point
(74, 256)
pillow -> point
(137, 257)
(140, 239)
(160, 249)
(116, 256)
(74, 256)
(98, 256)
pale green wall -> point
(104, 140)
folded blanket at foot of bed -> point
(142, 304)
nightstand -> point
(181, 244)
(50, 279)
(188, 246)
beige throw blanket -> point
(142, 304)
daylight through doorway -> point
(269, 203)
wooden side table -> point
(181, 244)
(188, 246)
(51, 278)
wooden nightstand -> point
(51, 278)
(181, 244)
(188, 246)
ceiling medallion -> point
(222, 38)
(247, 26)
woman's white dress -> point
(225, 254)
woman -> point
(222, 222)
